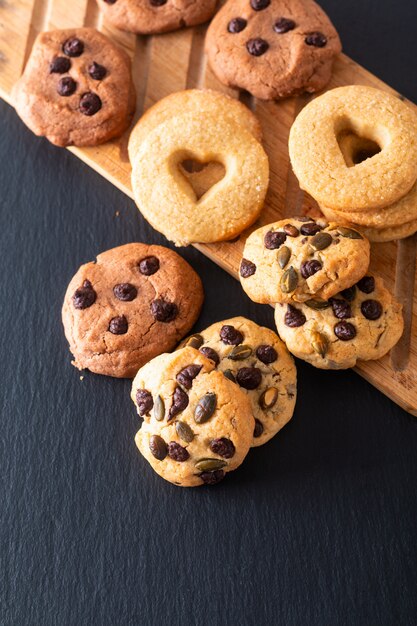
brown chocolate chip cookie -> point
(76, 89)
(272, 48)
(156, 16)
(133, 303)
(197, 424)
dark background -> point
(318, 527)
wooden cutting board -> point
(166, 63)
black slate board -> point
(316, 528)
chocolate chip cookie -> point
(257, 360)
(156, 16)
(197, 424)
(76, 89)
(129, 305)
(361, 323)
(301, 258)
(272, 48)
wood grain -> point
(166, 63)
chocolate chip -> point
(59, 65)
(345, 331)
(366, 284)
(266, 354)
(256, 47)
(164, 311)
(341, 308)
(230, 336)
(223, 447)
(283, 25)
(249, 377)
(309, 268)
(158, 447)
(149, 265)
(247, 268)
(294, 317)
(274, 240)
(157, 3)
(186, 376)
(310, 229)
(236, 25)
(97, 71)
(180, 402)
(259, 428)
(316, 39)
(90, 103)
(144, 401)
(85, 296)
(125, 292)
(110, 1)
(371, 309)
(66, 86)
(73, 47)
(349, 293)
(291, 230)
(177, 452)
(118, 325)
(259, 5)
(210, 354)
(212, 478)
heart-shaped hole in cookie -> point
(356, 149)
(201, 176)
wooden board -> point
(171, 62)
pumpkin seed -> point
(319, 343)
(349, 233)
(159, 409)
(184, 432)
(158, 447)
(268, 398)
(289, 280)
(205, 408)
(317, 305)
(283, 256)
(209, 465)
(238, 353)
(321, 241)
(229, 374)
(195, 341)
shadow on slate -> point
(316, 528)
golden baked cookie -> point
(257, 360)
(362, 323)
(318, 161)
(167, 200)
(132, 303)
(197, 424)
(296, 259)
(76, 89)
(156, 16)
(272, 48)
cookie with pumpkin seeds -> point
(257, 360)
(197, 425)
(297, 259)
(361, 323)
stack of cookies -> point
(354, 150)
(328, 310)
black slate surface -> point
(316, 528)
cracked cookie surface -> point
(362, 323)
(132, 303)
(296, 259)
(197, 425)
(258, 362)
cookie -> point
(132, 303)
(156, 16)
(76, 89)
(318, 161)
(167, 200)
(361, 323)
(257, 360)
(301, 258)
(272, 48)
(374, 234)
(197, 424)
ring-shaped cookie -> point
(319, 164)
(167, 200)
